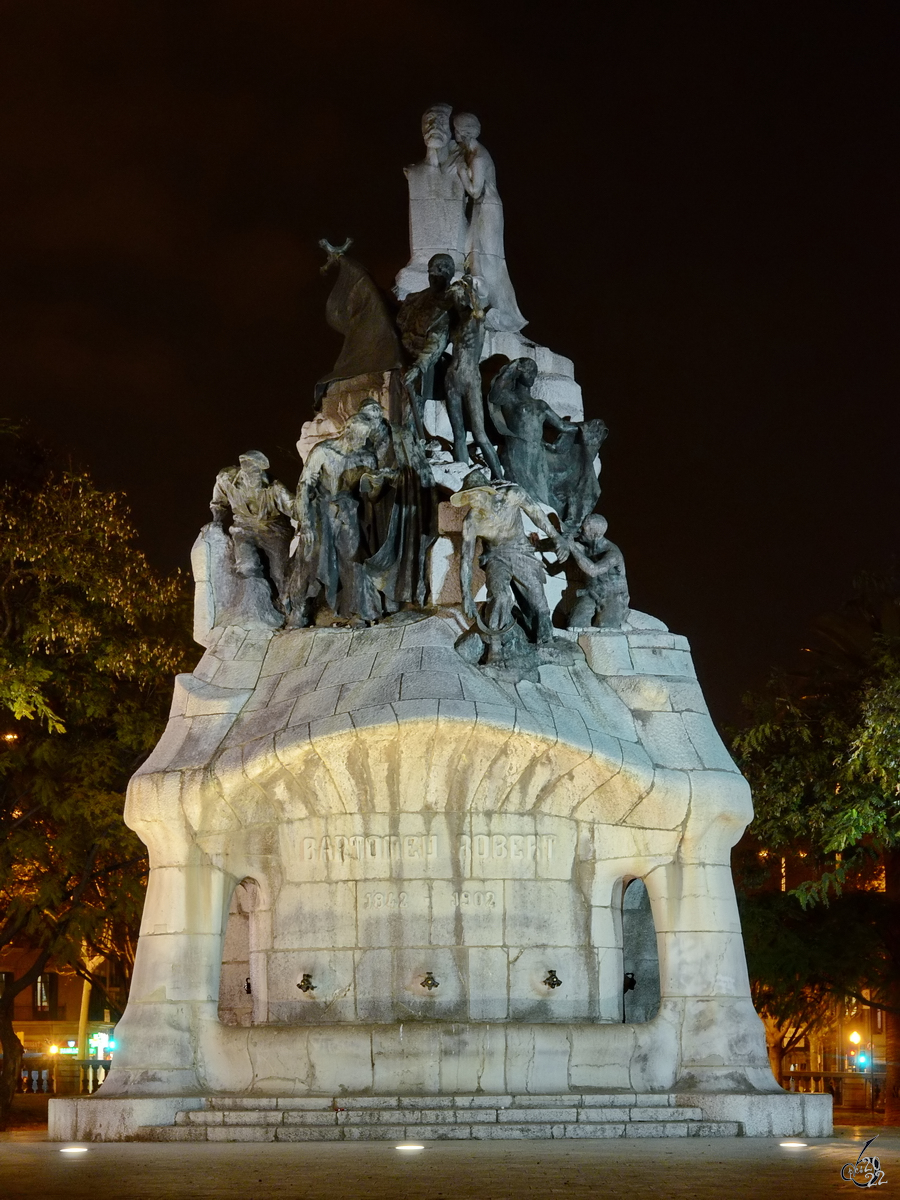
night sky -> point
(701, 211)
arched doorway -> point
(640, 956)
(240, 982)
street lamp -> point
(863, 1061)
(855, 1038)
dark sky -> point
(701, 210)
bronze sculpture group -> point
(366, 502)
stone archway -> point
(640, 955)
(238, 990)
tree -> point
(789, 988)
(804, 960)
(89, 639)
(822, 754)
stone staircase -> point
(425, 1118)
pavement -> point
(667, 1168)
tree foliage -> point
(787, 989)
(90, 637)
(822, 753)
(822, 750)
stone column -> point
(606, 941)
(701, 951)
(180, 944)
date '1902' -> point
(473, 900)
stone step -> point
(460, 1102)
(478, 1117)
(438, 1116)
(463, 1130)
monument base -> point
(619, 1114)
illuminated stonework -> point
(417, 836)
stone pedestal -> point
(479, 1116)
(427, 849)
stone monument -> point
(440, 827)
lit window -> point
(44, 991)
(41, 995)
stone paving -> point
(679, 1169)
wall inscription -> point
(514, 847)
(374, 847)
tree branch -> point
(96, 982)
(26, 980)
(19, 985)
(25, 816)
(868, 1003)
